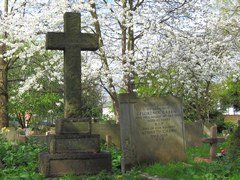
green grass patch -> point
(221, 168)
(21, 162)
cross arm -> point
(55, 41)
(88, 42)
(213, 140)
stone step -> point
(74, 143)
(52, 165)
(73, 126)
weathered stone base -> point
(52, 165)
(73, 126)
(71, 143)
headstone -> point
(225, 133)
(152, 130)
(70, 149)
(213, 140)
(109, 141)
(193, 133)
(13, 135)
(207, 128)
(111, 130)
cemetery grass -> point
(221, 168)
(21, 162)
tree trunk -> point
(111, 88)
(6, 6)
(3, 91)
(130, 83)
(128, 44)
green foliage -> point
(20, 160)
(216, 117)
(181, 170)
(46, 105)
(230, 126)
(91, 99)
(116, 156)
(201, 151)
(233, 157)
(37, 103)
(230, 96)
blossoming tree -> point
(136, 38)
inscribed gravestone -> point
(152, 130)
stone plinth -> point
(103, 129)
(73, 126)
(71, 143)
(52, 165)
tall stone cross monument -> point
(72, 150)
(72, 41)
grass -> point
(221, 168)
(21, 162)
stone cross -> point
(213, 140)
(72, 41)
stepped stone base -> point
(71, 143)
(52, 165)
